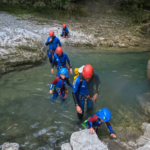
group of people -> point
(86, 84)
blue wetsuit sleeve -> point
(51, 86)
(67, 30)
(68, 60)
(110, 129)
(89, 123)
(98, 83)
(75, 90)
(47, 42)
(59, 42)
(70, 85)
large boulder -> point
(19, 48)
(84, 140)
(10, 146)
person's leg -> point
(89, 105)
(62, 96)
(54, 97)
(66, 34)
(81, 104)
(50, 57)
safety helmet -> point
(76, 71)
(64, 71)
(104, 114)
(59, 50)
(51, 33)
(87, 71)
(64, 25)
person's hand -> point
(113, 135)
(94, 97)
(71, 70)
(79, 110)
(50, 39)
(52, 70)
(50, 91)
(92, 130)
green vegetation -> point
(139, 10)
(45, 10)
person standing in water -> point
(52, 42)
(83, 90)
(60, 57)
(94, 123)
(59, 88)
(65, 31)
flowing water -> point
(28, 117)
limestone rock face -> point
(19, 48)
(10, 146)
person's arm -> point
(67, 30)
(54, 82)
(109, 127)
(93, 119)
(47, 42)
(75, 90)
(59, 43)
(68, 60)
(69, 83)
(98, 83)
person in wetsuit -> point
(61, 58)
(52, 42)
(59, 88)
(102, 116)
(83, 89)
(65, 31)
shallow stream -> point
(28, 117)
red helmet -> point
(51, 33)
(64, 25)
(87, 71)
(59, 50)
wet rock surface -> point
(83, 140)
(10, 146)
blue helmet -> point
(64, 71)
(104, 114)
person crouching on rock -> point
(60, 57)
(65, 31)
(102, 116)
(83, 90)
(57, 87)
(52, 42)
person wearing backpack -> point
(57, 87)
(52, 42)
(61, 58)
(83, 90)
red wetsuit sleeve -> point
(94, 118)
(67, 80)
(55, 80)
(107, 123)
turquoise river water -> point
(28, 117)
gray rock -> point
(66, 146)
(10, 146)
(84, 140)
